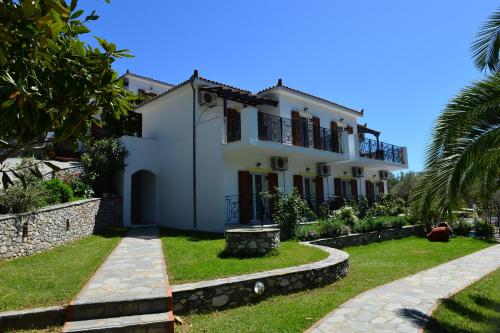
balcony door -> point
(309, 187)
(259, 184)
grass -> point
(475, 309)
(194, 256)
(370, 266)
(56, 276)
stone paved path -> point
(134, 270)
(403, 305)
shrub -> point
(462, 228)
(56, 191)
(360, 206)
(484, 229)
(290, 210)
(80, 189)
(18, 199)
(101, 160)
(388, 205)
(379, 223)
(348, 215)
(307, 232)
(332, 227)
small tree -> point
(51, 81)
(290, 210)
(101, 160)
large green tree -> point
(50, 80)
(465, 148)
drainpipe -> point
(195, 213)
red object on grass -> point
(439, 234)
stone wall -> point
(29, 233)
(370, 237)
(252, 241)
(206, 296)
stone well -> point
(252, 241)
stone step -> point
(121, 308)
(147, 323)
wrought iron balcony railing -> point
(278, 129)
(381, 151)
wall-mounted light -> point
(374, 176)
(345, 172)
(306, 108)
(341, 119)
(308, 168)
(259, 164)
(259, 288)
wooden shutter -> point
(319, 190)
(337, 186)
(354, 189)
(297, 183)
(245, 195)
(316, 133)
(381, 189)
(272, 184)
(335, 137)
(369, 191)
(295, 128)
(263, 135)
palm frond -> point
(486, 46)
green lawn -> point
(193, 256)
(56, 276)
(370, 266)
(475, 309)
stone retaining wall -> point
(252, 241)
(29, 233)
(207, 296)
(370, 237)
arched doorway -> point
(144, 198)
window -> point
(346, 189)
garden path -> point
(405, 305)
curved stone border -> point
(371, 237)
(207, 296)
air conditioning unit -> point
(279, 163)
(324, 170)
(207, 98)
(384, 174)
(358, 172)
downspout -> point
(195, 213)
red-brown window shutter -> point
(295, 128)
(272, 184)
(245, 195)
(316, 133)
(337, 185)
(297, 183)
(335, 137)
(319, 190)
(354, 189)
(381, 187)
(369, 191)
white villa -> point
(208, 149)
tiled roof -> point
(148, 78)
(310, 96)
(187, 81)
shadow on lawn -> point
(422, 320)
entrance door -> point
(259, 204)
(310, 191)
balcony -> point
(378, 150)
(282, 130)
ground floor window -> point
(346, 189)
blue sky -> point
(400, 61)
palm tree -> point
(465, 146)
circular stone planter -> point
(252, 241)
